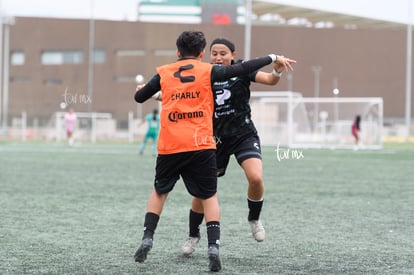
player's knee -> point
(256, 180)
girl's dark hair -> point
(191, 43)
(223, 41)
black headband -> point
(223, 41)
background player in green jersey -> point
(153, 121)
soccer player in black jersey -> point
(356, 130)
(236, 134)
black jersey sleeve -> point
(221, 73)
(149, 89)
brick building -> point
(49, 61)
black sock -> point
(150, 224)
(213, 233)
(255, 207)
(195, 220)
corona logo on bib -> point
(176, 116)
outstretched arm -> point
(282, 63)
(221, 73)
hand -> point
(283, 63)
(139, 87)
(157, 96)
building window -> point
(165, 52)
(20, 79)
(62, 57)
(130, 53)
(17, 58)
(52, 82)
(99, 56)
(124, 78)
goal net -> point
(288, 119)
(89, 126)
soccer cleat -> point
(213, 256)
(189, 245)
(258, 230)
(144, 248)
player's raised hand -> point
(139, 87)
(283, 63)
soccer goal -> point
(89, 126)
(289, 119)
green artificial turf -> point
(80, 210)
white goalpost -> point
(89, 126)
(288, 119)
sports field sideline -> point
(80, 210)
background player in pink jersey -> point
(70, 123)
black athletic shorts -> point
(243, 147)
(198, 170)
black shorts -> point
(197, 168)
(243, 147)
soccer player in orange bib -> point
(186, 145)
